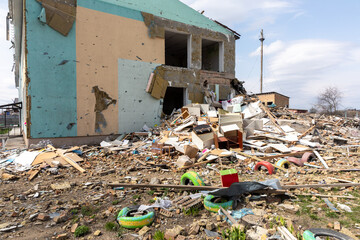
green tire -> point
(307, 235)
(192, 177)
(214, 207)
(135, 222)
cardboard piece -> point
(60, 14)
(203, 140)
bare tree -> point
(329, 100)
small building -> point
(270, 98)
(86, 69)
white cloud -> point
(303, 68)
(254, 13)
(7, 90)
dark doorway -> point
(176, 48)
(174, 99)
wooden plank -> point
(283, 155)
(67, 159)
(321, 185)
(272, 119)
(34, 173)
(173, 122)
(325, 196)
(306, 132)
(188, 187)
(321, 159)
(256, 158)
(227, 214)
(197, 164)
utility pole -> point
(262, 59)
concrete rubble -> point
(313, 161)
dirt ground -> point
(89, 201)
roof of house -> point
(170, 9)
(267, 93)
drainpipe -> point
(217, 92)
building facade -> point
(83, 67)
(271, 98)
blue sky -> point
(309, 46)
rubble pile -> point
(240, 171)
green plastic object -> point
(307, 235)
(214, 207)
(227, 172)
(135, 222)
(192, 177)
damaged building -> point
(90, 68)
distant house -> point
(270, 98)
(83, 67)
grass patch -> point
(159, 235)
(152, 201)
(111, 226)
(151, 192)
(193, 211)
(234, 233)
(314, 216)
(74, 211)
(115, 202)
(4, 130)
(331, 214)
(136, 197)
(81, 231)
(87, 210)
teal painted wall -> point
(136, 107)
(111, 9)
(169, 9)
(51, 66)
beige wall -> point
(279, 100)
(101, 39)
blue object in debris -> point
(78, 152)
(118, 188)
(135, 152)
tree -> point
(329, 100)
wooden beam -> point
(317, 154)
(306, 132)
(226, 213)
(256, 158)
(321, 185)
(283, 155)
(325, 196)
(67, 159)
(188, 187)
(272, 119)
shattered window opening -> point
(176, 49)
(210, 55)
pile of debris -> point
(239, 171)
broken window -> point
(174, 99)
(269, 103)
(211, 55)
(176, 49)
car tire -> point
(193, 178)
(267, 165)
(323, 232)
(126, 221)
(211, 206)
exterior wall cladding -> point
(107, 57)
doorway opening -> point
(174, 99)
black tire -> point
(318, 232)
